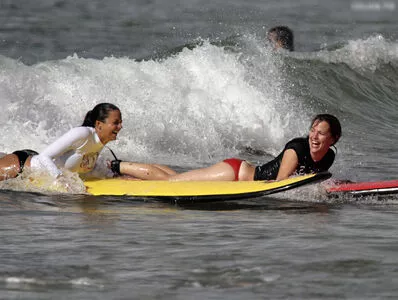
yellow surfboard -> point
(197, 190)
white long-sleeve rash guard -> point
(77, 150)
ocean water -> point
(197, 82)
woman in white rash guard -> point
(77, 150)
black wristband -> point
(115, 166)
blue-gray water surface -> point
(197, 82)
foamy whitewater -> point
(197, 82)
(204, 104)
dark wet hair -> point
(334, 123)
(99, 113)
(285, 35)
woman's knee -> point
(166, 169)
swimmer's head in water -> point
(281, 37)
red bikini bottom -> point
(235, 163)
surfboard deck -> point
(194, 191)
(365, 188)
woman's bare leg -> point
(146, 171)
(219, 172)
(165, 169)
(9, 166)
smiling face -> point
(320, 139)
(108, 130)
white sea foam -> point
(364, 54)
(198, 105)
(189, 109)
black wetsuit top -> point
(306, 165)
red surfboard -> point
(366, 188)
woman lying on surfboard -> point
(77, 150)
(303, 155)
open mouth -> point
(315, 144)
